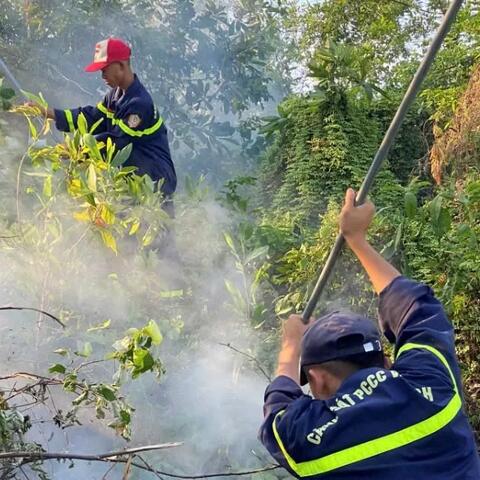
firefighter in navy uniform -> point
(127, 115)
(370, 419)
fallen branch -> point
(250, 357)
(28, 456)
(53, 317)
(116, 457)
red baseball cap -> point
(107, 52)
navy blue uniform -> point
(129, 117)
(404, 423)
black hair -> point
(345, 366)
(366, 360)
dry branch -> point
(28, 456)
(116, 457)
(53, 317)
(250, 357)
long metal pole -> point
(10, 77)
(385, 146)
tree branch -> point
(110, 456)
(250, 357)
(207, 475)
(36, 310)
(29, 457)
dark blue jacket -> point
(129, 117)
(399, 424)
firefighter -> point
(369, 419)
(127, 115)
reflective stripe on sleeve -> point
(69, 118)
(382, 444)
(125, 128)
(108, 113)
(138, 133)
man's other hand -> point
(293, 330)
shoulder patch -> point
(134, 120)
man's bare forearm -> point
(380, 271)
(289, 361)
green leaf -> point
(125, 416)
(398, 238)
(109, 240)
(86, 350)
(90, 141)
(410, 205)
(101, 326)
(82, 397)
(440, 216)
(47, 187)
(32, 128)
(57, 368)
(258, 252)
(171, 293)
(82, 124)
(153, 331)
(122, 156)
(229, 241)
(7, 93)
(436, 209)
(107, 393)
(143, 360)
(61, 351)
(95, 126)
(92, 178)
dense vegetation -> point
(250, 251)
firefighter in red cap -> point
(127, 115)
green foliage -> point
(13, 427)
(340, 69)
(6, 95)
(319, 152)
(134, 357)
(133, 351)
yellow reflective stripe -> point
(290, 460)
(104, 110)
(439, 355)
(383, 444)
(69, 117)
(138, 133)
(124, 127)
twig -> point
(128, 468)
(19, 174)
(42, 306)
(24, 474)
(87, 364)
(208, 475)
(250, 357)
(75, 245)
(105, 475)
(150, 468)
(110, 456)
(53, 317)
(32, 376)
(69, 79)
